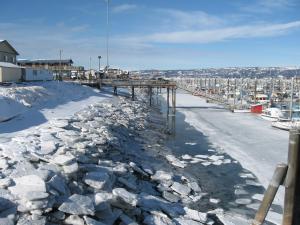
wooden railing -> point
(288, 176)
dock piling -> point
(287, 175)
(150, 95)
(132, 93)
(277, 180)
(168, 99)
(291, 212)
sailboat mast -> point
(292, 97)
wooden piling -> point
(277, 180)
(174, 100)
(150, 95)
(215, 86)
(168, 97)
(255, 90)
(228, 90)
(291, 212)
(234, 93)
(132, 93)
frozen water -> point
(78, 205)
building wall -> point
(8, 74)
(37, 75)
(65, 69)
(6, 54)
(7, 57)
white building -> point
(10, 72)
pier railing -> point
(286, 175)
(138, 83)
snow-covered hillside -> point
(41, 101)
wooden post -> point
(215, 86)
(277, 180)
(241, 92)
(234, 93)
(255, 90)
(168, 93)
(174, 100)
(291, 212)
(228, 90)
(132, 93)
(150, 95)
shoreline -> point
(61, 160)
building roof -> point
(46, 61)
(8, 65)
(9, 45)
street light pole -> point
(99, 57)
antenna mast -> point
(107, 35)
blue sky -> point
(157, 34)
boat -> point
(256, 108)
(272, 114)
(242, 111)
(286, 125)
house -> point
(10, 72)
(57, 66)
(7, 52)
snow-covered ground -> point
(74, 155)
(36, 103)
(244, 136)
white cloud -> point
(188, 19)
(123, 8)
(222, 34)
(269, 6)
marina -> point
(118, 112)
(277, 99)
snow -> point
(39, 102)
(9, 65)
(75, 140)
(9, 108)
(245, 137)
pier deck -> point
(138, 83)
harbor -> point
(276, 100)
(118, 112)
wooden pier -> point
(138, 83)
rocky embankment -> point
(102, 166)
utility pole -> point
(107, 35)
(90, 75)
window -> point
(6, 58)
